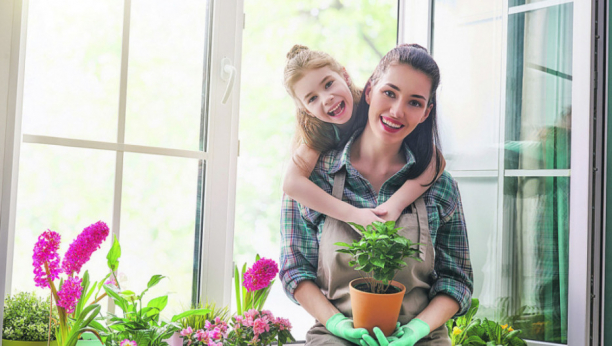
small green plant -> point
(467, 331)
(26, 318)
(199, 321)
(380, 253)
(140, 323)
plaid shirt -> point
(301, 227)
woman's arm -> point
(440, 309)
(309, 295)
(411, 190)
(297, 186)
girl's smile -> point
(325, 95)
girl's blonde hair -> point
(316, 134)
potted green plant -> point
(138, 323)
(376, 299)
(26, 321)
(469, 331)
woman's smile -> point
(390, 125)
(398, 102)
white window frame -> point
(420, 31)
(221, 155)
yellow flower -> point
(510, 329)
(457, 331)
(504, 326)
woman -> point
(396, 126)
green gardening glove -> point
(367, 340)
(414, 331)
(342, 327)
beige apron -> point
(334, 273)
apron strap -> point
(339, 178)
(423, 220)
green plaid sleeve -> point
(452, 261)
(299, 248)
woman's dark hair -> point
(424, 139)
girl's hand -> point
(388, 211)
(364, 216)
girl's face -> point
(325, 95)
(398, 103)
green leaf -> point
(127, 293)
(474, 340)
(158, 303)
(378, 262)
(119, 300)
(155, 279)
(193, 312)
(113, 254)
(358, 227)
(342, 244)
(237, 286)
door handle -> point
(228, 74)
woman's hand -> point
(414, 331)
(342, 327)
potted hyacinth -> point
(256, 284)
(70, 292)
(376, 299)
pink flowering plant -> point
(72, 292)
(256, 284)
(255, 328)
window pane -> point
(536, 217)
(71, 82)
(357, 34)
(64, 190)
(158, 218)
(479, 197)
(468, 96)
(522, 2)
(166, 73)
(539, 89)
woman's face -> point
(325, 95)
(398, 103)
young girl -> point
(325, 98)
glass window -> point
(506, 134)
(71, 82)
(73, 85)
(357, 34)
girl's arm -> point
(297, 186)
(411, 190)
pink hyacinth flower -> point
(69, 294)
(83, 246)
(260, 274)
(45, 251)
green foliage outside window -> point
(26, 318)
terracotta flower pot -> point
(376, 310)
(27, 343)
